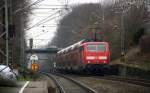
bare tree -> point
(107, 21)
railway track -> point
(69, 85)
(136, 81)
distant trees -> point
(76, 24)
(19, 20)
(21, 17)
(111, 22)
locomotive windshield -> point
(101, 47)
(96, 47)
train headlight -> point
(90, 57)
(88, 61)
(104, 61)
(103, 57)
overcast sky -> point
(44, 32)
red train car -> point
(83, 55)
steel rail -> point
(130, 80)
(136, 81)
(60, 88)
(88, 89)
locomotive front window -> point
(96, 47)
(91, 47)
(101, 47)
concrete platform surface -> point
(36, 87)
(32, 87)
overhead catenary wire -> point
(48, 5)
(50, 19)
(43, 40)
(40, 34)
(47, 31)
(44, 11)
(28, 6)
(46, 26)
(42, 21)
(47, 8)
(52, 26)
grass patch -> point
(27, 75)
(22, 78)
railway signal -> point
(34, 67)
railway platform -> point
(26, 87)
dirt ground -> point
(108, 86)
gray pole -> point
(122, 34)
(7, 34)
(103, 19)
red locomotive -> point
(84, 56)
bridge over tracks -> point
(45, 57)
